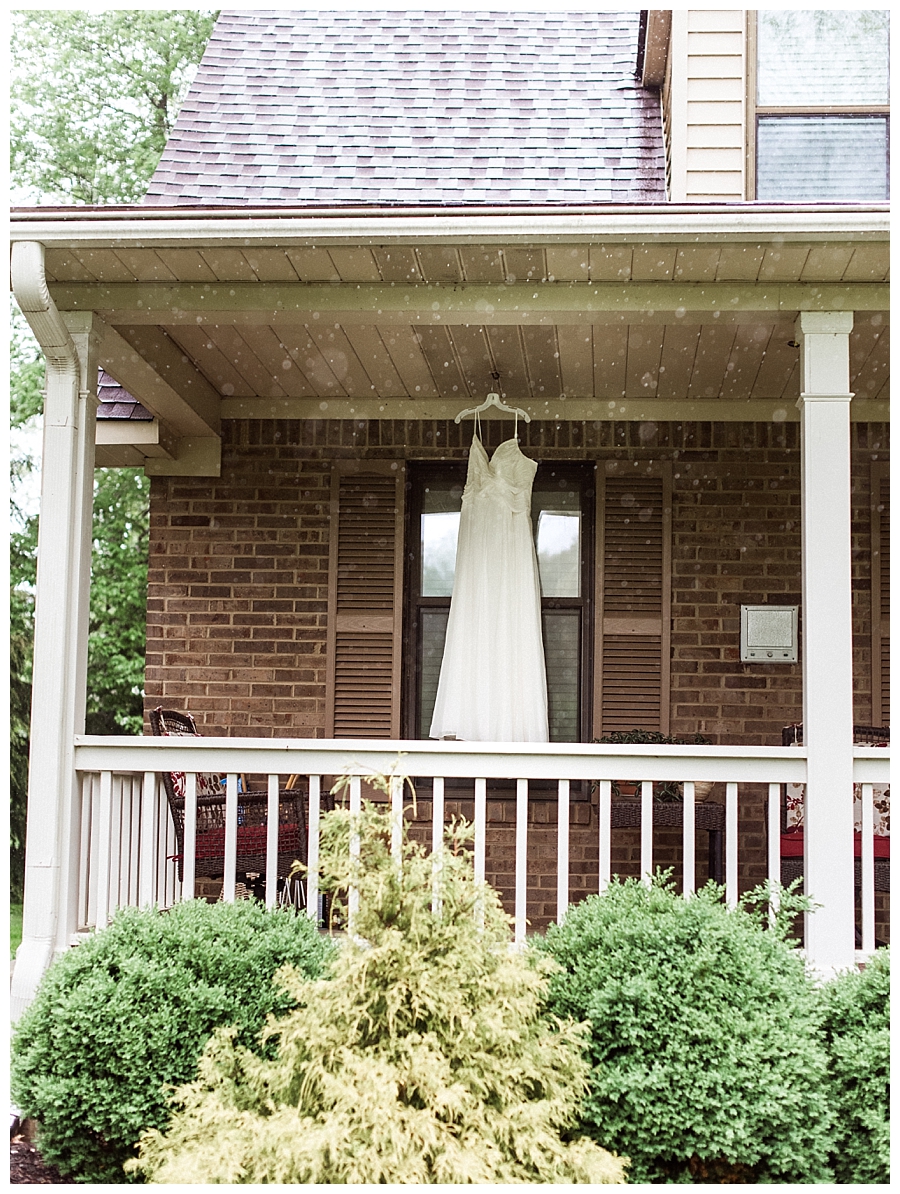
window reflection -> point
(558, 537)
(439, 534)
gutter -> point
(29, 286)
(146, 227)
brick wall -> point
(238, 594)
(238, 564)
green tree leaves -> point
(94, 97)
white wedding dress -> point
(493, 683)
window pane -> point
(562, 648)
(556, 518)
(809, 56)
(821, 157)
(433, 632)
(440, 529)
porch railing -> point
(127, 838)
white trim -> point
(149, 228)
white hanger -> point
(494, 400)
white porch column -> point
(824, 405)
(61, 621)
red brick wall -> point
(238, 596)
(238, 564)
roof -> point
(363, 107)
(116, 402)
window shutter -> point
(881, 594)
(365, 600)
(634, 527)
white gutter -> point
(147, 227)
(29, 285)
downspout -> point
(60, 646)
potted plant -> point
(669, 790)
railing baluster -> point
(355, 809)
(230, 861)
(312, 852)
(148, 840)
(189, 862)
(562, 850)
(104, 837)
(688, 841)
(521, 912)
(437, 841)
(163, 820)
(646, 832)
(774, 847)
(84, 851)
(397, 819)
(272, 818)
(134, 861)
(480, 833)
(867, 869)
(604, 813)
(731, 844)
(115, 846)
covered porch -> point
(726, 368)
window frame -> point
(755, 110)
(418, 475)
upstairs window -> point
(821, 91)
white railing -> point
(128, 839)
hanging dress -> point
(493, 683)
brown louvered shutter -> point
(365, 600)
(881, 594)
(631, 667)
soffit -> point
(836, 261)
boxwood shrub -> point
(707, 1059)
(124, 1016)
(856, 1018)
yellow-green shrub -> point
(424, 1058)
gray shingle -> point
(414, 106)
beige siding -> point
(704, 105)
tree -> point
(94, 97)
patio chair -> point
(792, 815)
(251, 813)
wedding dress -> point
(493, 683)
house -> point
(666, 232)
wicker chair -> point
(792, 839)
(251, 813)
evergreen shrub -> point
(707, 1064)
(856, 1019)
(124, 1016)
(425, 1058)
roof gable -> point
(406, 107)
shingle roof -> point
(363, 107)
(116, 402)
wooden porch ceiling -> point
(575, 330)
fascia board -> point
(662, 223)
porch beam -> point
(156, 372)
(271, 303)
(70, 347)
(824, 405)
(569, 408)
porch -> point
(556, 843)
(251, 623)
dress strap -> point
(478, 425)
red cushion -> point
(251, 839)
(792, 845)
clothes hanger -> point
(494, 400)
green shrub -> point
(128, 1012)
(856, 1016)
(707, 1063)
(424, 1059)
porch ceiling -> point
(614, 324)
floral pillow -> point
(881, 797)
